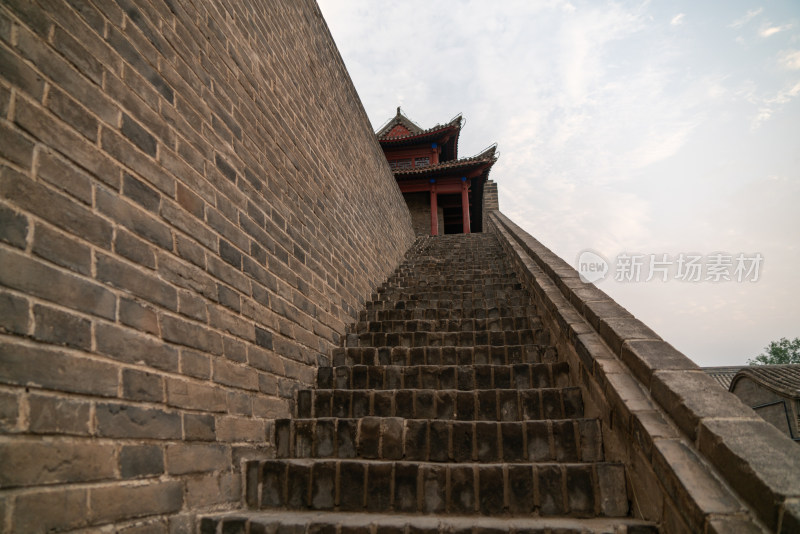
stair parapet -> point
(699, 459)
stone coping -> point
(755, 459)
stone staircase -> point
(445, 411)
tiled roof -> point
(723, 375)
(487, 156)
(415, 130)
(410, 125)
(784, 379)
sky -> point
(663, 135)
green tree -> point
(777, 352)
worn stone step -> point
(475, 405)
(465, 305)
(482, 354)
(520, 322)
(477, 289)
(440, 282)
(449, 281)
(496, 489)
(472, 338)
(462, 377)
(498, 312)
(318, 522)
(393, 438)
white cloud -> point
(750, 15)
(790, 59)
(769, 30)
(678, 19)
(770, 104)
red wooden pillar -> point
(434, 212)
(465, 206)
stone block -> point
(118, 502)
(756, 459)
(129, 421)
(184, 458)
(53, 415)
(690, 396)
(63, 460)
(136, 461)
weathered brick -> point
(33, 462)
(212, 489)
(62, 250)
(196, 396)
(128, 52)
(185, 275)
(195, 364)
(231, 374)
(54, 207)
(128, 154)
(225, 168)
(129, 346)
(64, 140)
(199, 427)
(56, 369)
(135, 219)
(137, 461)
(190, 334)
(16, 71)
(15, 147)
(75, 52)
(71, 112)
(192, 305)
(13, 227)
(54, 415)
(138, 135)
(143, 386)
(48, 511)
(128, 421)
(14, 314)
(240, 403)
(190, 201)
(117, 502)
(137, 250)
(237, 429)
(65, 176)
(141, 193)
(264, 338)
(56, 326)
(9, 412)
(139, 282)
(59, 70)
(184, 458)
(231, 323)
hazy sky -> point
(625, 128)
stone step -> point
(393, 438)
(546, 489)
(476, 405)
(474, 338)
(447, 281)
(476, 288)
(482, 354)
(498, 312)
(465, 305)
(317, 522)
(520, 322)
(461, 377)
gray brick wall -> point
(192, 207)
